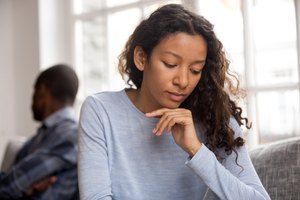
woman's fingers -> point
(166, 122)
(180, 122)
(157, 113)
(169, 118)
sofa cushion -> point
(278, 166)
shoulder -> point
(105, 97)
(234, 125)
(98, 106)
(65, 130)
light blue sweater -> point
(121, 159)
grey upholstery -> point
(278, 166)
(10, 152)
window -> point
(260, 39)
(275, 71)
(102, 28)
(262, 45)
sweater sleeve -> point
(229, 180)
(93, 171)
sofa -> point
(11, 150)
(278, 166)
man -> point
(45, 167)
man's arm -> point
(41, 186)
(29, 171)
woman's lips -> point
(178, 97)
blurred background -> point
(261, 38)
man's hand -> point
(41, 186)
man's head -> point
(54, 88)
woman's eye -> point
(196, 72)
(169, 65)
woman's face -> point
(173, 71)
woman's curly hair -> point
(210, 102)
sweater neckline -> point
(135, 109)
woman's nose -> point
(182, 77)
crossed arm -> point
(28, 176)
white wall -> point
(19, 64)
(25, 61)
(7, 86)
(56, 35)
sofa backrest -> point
(278, 166)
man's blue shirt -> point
(51, 152)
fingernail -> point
(154, 130)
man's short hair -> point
(62, 82)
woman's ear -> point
(139, 58)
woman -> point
(174, 134)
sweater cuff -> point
(199, 162)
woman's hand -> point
(180, 122)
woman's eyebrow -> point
(178, 56)
(199, 62)
(172, 53)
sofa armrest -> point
(11, 150)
